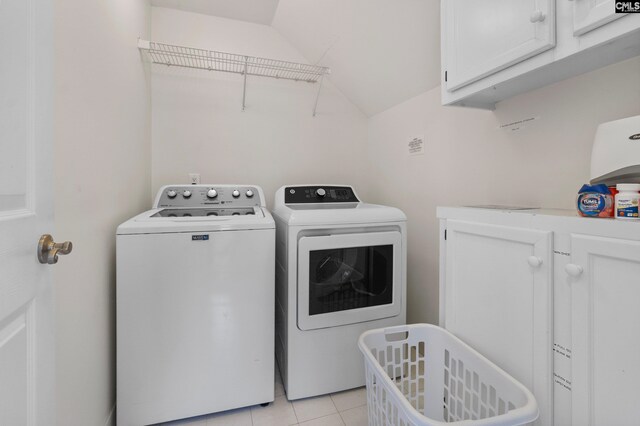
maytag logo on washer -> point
(635, 137)
(204, 237)
(628, 7)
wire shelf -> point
(211, 60)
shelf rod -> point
(315, 106)
(244, 84)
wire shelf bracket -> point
(211, 60)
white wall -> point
(198, 125)
(468, 160)
(107, 168)
(381, 52)
(102, 177)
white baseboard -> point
(111, 418)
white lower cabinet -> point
(498, 300)
(604, 278)
(553, 299)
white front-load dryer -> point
(340, 271)
(194, 304)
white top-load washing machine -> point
(340, 270)
(195, 297)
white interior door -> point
(498, 299)
(605, 292)
(483, 37)
(26, 305)
(591, 14)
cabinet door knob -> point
(534, 261)
(573, 270)
(537, 16)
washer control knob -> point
(235, 193)
(249, 193)
(186, 194)
(212, 193)
(171, 193)
(321, 192)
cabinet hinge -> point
(445, 76)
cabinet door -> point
(498, 300)
(605, 301)
(483, 37)
(591, 14)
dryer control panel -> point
(194, 196)
(319, 194)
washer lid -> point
(168, 220)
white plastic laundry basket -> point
(423, 375)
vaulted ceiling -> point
(256, 11)
(381, 52)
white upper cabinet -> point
(495, 49)
(590, 14)
(487, 36)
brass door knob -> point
(48, 250)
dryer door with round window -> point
(348, 278)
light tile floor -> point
(348, 408)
